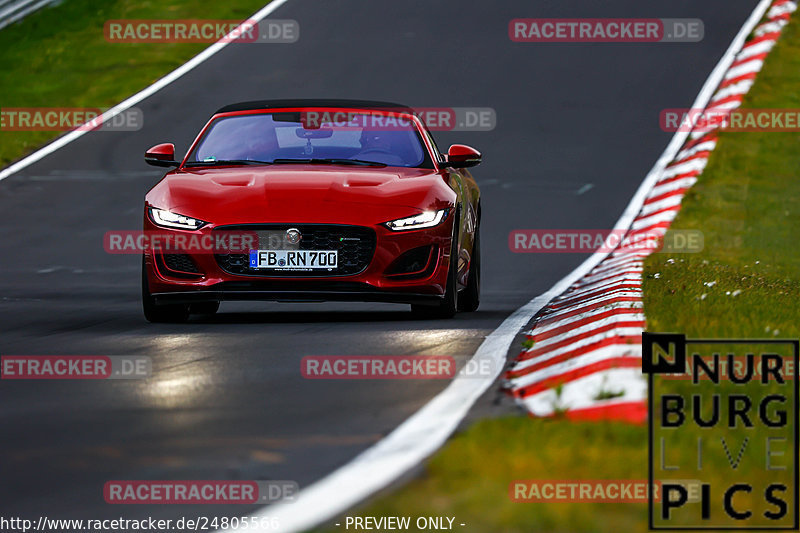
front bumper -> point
(249, 291)
(378, 281)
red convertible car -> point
(343, 200)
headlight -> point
(428, 219)
(168, 219)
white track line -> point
(136, 98)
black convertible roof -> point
(271, 104)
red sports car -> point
(330, 200)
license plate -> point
(294, 259)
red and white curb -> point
(586, 356)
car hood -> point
(301, 193)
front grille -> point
(355, 246)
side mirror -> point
(161, 155)
(462, 156)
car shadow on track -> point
(278, 317)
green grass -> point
(469, 478)
(58, 57)
(747, 204)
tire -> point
(449, 305)
(470, 298)
(204, 308)
(160, 313)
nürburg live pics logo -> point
(723, 432)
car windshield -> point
(351, 137)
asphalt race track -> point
(577, 130)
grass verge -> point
(746, 283)
(59, 57)
(469, 478)
(747, 204)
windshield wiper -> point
(216, 162)
(358, 162)
(361, 162)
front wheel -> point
(174, 313)
(470, 298)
